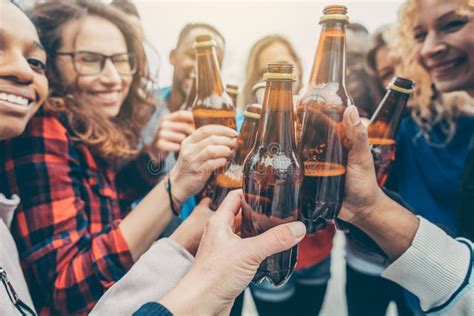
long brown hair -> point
(115, 138)
(251, 74)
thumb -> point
(357, 137)
(275, 240)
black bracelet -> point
(170, 196)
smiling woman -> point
(23, 84)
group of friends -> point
(91, 150)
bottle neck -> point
(330, 59)
(277, 121)
(209, 80)
(386, 119)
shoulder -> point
(47, 124)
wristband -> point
(173, 200)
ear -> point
(172, 57)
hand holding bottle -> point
(205, 150)
(174, 128)
(362, 194)
(225, 263)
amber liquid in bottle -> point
(212, 104)
(232, 178)
(320, 110)
(273, 174)
(384, 125)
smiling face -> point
(108, 89)
(445, 44)
(23, 84)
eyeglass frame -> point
(104, 60)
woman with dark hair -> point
(80, 164)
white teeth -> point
(13, 99)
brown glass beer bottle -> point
(231, 179)
(212, 104)
(320, 109)
(384, 125)
(273, 174)
(190, 93)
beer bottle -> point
(233, 91)
(231, 179)
(272, 173)
(384, 125)
(258, 91)
(320, 109)
(212, 104)
(190, 93)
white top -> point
(438, 270)
(153, 275)
(9, 259)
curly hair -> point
(251, 75)
(112, 139)
(430, 107)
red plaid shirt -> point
(66, 227)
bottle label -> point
(323, 93)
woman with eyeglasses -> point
(79, 165)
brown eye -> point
(37, 65)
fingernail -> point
(354, 115)
(298, 229)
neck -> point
(176, 99)
(330, 60)
(209, 80)
(277, 119)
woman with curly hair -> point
(435, 142)
(79, 164)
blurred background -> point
(243, 22)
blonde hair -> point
(252, 75)
(429, 107)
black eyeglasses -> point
(90, 63)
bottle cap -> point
(259, 85)
(204, 41)
(278, 76)
(335, 12)
(402, 85)
(232, 89)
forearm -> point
(147, 221)
(155, 274)
(390, 225)
(139, 176)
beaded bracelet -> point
(170, 196)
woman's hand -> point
(205, 150)
(173, 129)
(225, 263)
(189, 233)
(362, 193)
